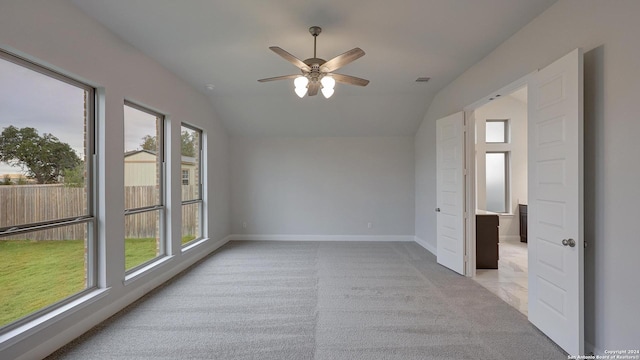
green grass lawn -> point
(138, 251)
(187, 238)
(35, 274)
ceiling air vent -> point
(423, 79)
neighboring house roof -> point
(135, 152)
(189, 160)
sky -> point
(137, 125)
(31, 99)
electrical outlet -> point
(244, 224)
(368, 225)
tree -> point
(74, 177)
(43, 158)
(149, 143)
(187, 139)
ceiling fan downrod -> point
(315, 31)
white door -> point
(450, 191)
(555, 224)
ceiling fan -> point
(318, 74)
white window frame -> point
(200, 184)
(160, 207)
(89, 219)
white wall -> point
(425, 168)
(323, 186)
(504, 108)
(608, 33)
(56, 34)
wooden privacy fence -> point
(23, 204)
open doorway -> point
(501, 197)
(555, 199)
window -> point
(47, 215)
(185, 177)
(497, 180)
(191, 139)
(144, 186)
(497, 131)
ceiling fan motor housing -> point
(315, 74)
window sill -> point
(194, 244)
(133, 276)
(15, 335)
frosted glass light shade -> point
(301, 91)
(300, 82)
(327, 92)
(328, 83)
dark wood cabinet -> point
(523, 222)
(487, 241)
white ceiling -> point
(225, 43)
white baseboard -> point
(426, 245)
(287, 237)
(509, 238)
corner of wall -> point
(425, 244)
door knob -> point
(569, 242)
(437, 209)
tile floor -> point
(509, 281)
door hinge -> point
(585, 244)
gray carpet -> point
(316, 300)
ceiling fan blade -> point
(284, 77)
(351, 80)
(342, 60)
(290, 58)
(313, 88)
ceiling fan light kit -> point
(301, 91)
(317, 74)
(328, 82)
(327, 92)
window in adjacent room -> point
(47, 215)
(497, 177)
(497, 131)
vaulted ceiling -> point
(226, 44)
